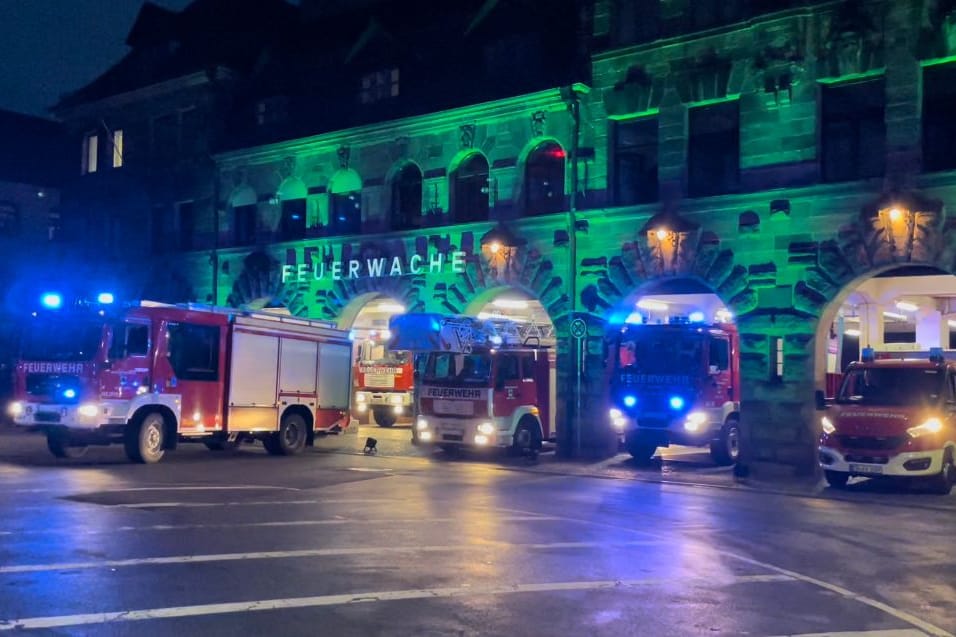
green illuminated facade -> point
(756, 153)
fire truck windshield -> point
(61, 340)
(891, 386)
(660, 351)
(447, 368)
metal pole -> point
(575, 109)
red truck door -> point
(192, 366)
(128, 360)
(512, 388)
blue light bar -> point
(630, 401)
(696, 317)
(676, 403)
(105, 298)
(51, 300)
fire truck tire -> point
(59, 445)
(836, 479)
(291, 437)
(527, 438)
(943, 482)
(640, 450)
(384, 417)
(145, 439)
(726, 449)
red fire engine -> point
(152, 374)
(676, 383)
(892, 418)
(384, 380)
(482, 383)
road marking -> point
(902, 615)
(243, 503)
(348, 598)
(248, 487)
(901, 632)
(335, 521)
(272, 555)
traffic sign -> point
(578, 328)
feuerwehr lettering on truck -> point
(52, 368)
(452, 392)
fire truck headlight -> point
(425, 436)
(630, 401)
(15, 409)
(931, 426)
(695, 421)
(396, 399)
(676, 402)
(486, 428)
(481, 439)
(421, 424)
(827, 426)
(88, 411)
(615, 413)
(361, 398)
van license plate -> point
(866, 468)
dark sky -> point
(51, 47)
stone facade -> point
(781, 247)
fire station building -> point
(794, 159)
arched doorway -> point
(516, 305)
(383, 379)
(675, 373)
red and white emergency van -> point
(384, 380)
(481, 384)
(151, 374)
(676, 383)
(892, 418)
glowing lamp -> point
(105, 298)
(495, 247)
(51, 300)
(895, 214)
(676, 402)
(662, 234)
(630, 401)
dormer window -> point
(378, 86)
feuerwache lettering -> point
(433, 263)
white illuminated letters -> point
(437, 262)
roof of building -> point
(34, 150)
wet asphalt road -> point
(333, 543)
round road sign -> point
(579, 329)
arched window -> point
(544, 179)
(407, 197)
(345, 203)
(470, 189)
(292, 195)
(244, 216)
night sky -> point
(52, 47)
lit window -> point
(378, 86)
(778, 357)
(118, 148)
(91, 148)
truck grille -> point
(51, 384)
(872, 442)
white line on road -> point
(271, 555)
(901, 632)
(243, 503)
(348, 598)
(247, 487)
(281, 523)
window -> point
(776, 358)
(118, 148)
(544, 180)
(272, 110)
(509, 369)
(635, 21)
(244, 224)
(853, 131)
(9, 220)
(939, 126)
(635, 161)
(129, 339)
(527, 367)
(470, 189)
(91, 150)
(719, 354)
(713, 153)
(194, 351)
(166, 136)
(186, 216)
(345, 212)
(407, 197)
(292, 224)
(378, 86)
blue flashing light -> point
(634, 318)
(868, 355)
(352, 335)
(105, 298)
(630, 401)
(696, 317)
(52, 300)
(676, 403)
(69, 393)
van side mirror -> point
(821, 400)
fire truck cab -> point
(482, 385)
(150, 375)
(892, 418)
(384, 380)
(676, 383)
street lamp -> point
(502, 244)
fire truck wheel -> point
(836, 479)
(726, 449)
(527, 437)
(290, 439)
(60, 446)
(145, 438)
(640, 451)
(943, 482)
(384, 417)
